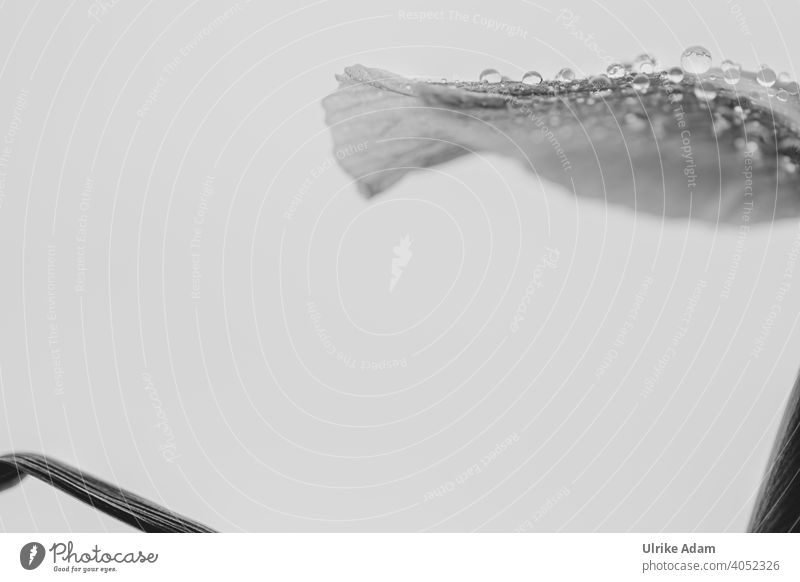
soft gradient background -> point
(196, 302)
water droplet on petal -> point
(731, 72)
(696, 60)
(532, 78)
(599, 83)
(616, 70)
(675, 75)
(782, 95)
(641, 83)
(784, 77)
(644, 63)
(565, 75)
(706, 92)
(490, 76)
(766, 77)
(793, 88)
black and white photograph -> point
(490, 275)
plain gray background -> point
(197, 304)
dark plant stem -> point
(127, 507)
(778, 506)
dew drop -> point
(707, 93)
(532, 78)
(641, 83)
(490, 76)
(696, 60)
(766, 76)
(644, 63)
(731, 72)
(565, 75)
(782, 95)
(793, 88)
(784, 77)
(616, 70)
(599, 83)
(675, 75)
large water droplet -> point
(766, 77)
(616, 70)
(532, 78)
(675, 75)
(490, 76)
(644, 63)
(565, 75)
(696, 60)
(641, 83)
(599, 83)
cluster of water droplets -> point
(644, 72)
(696, 75)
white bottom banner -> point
(356, 557)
